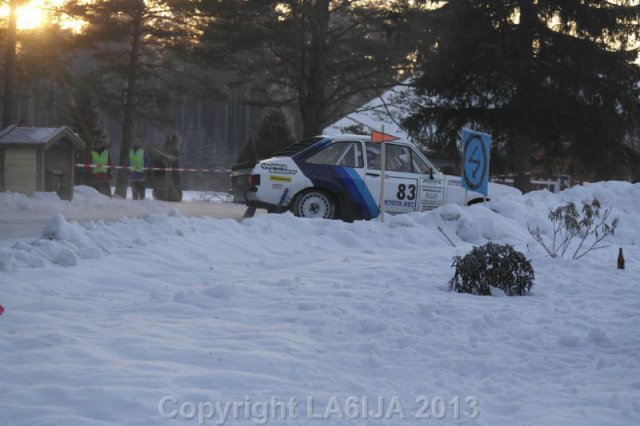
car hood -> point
(500, 190)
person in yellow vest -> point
(99, 168)
(138, 162)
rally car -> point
(338, 176)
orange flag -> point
(377, 137)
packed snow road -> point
(167, 319)
(22, 217)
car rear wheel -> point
(315, 203)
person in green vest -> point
(99, 168)
(138, 162)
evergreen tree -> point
(272, 135)
(314, 55)
(131, 41)
(535, 73)
(9, 112)
(42, 71)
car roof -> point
(365, 138)
(308, 143)
(345, 137)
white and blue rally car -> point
(338, 176)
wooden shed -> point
(36, 159)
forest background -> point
(557, 83)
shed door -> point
(20, 168)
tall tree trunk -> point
(9, 114)
(312, 99)
(523, 139)
(522, 150)
(130, 101)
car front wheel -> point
(315, 203)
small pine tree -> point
(492, 265)
(272, 135)
(249, 152)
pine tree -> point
(534, 73)
(131, 41)
(42, 70)
(9, 113)
(272, 135)
(315, 55)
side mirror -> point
(431, 173)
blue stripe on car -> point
(358, 191)
(344, 182)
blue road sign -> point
(476, 148)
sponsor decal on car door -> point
(431, 193)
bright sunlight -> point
(34, 14)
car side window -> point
(373, 156)
(397, 158)
(344, 154)
(419, 166)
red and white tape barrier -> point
(166, 169)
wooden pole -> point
(382, 167)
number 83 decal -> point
(406, 191)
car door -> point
(401, 184)
(432, 183)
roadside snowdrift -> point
(105, 320)
(86, 203)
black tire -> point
(315, 203)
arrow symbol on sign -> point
(472, 160)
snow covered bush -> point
(492, 265)
(588, 224)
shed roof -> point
(17, 135)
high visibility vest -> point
(100, 160)
(136, 160)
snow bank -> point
(86, 203)
(105, 321)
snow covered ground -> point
(277, 320)
(22, 216)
